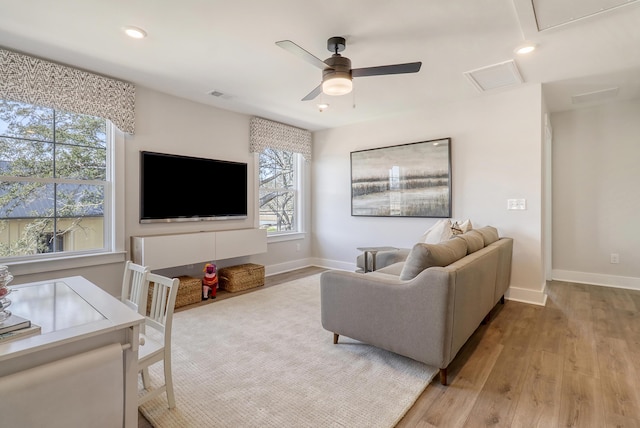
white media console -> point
(165, 251)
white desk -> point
(77, 318)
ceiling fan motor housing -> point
(337, 66)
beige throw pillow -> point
(423, 256)
(474, 240)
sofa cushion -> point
(489, 234)
(474, 240)
(423, 256)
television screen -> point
(183, 188)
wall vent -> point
(590, 97)
(495, 76)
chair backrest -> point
(134, 287)
(163, 301)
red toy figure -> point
(210, 281)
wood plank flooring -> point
(571, 363)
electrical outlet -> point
(298, 247)
(615, 258)
(516, 204)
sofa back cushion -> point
(489, 234)
(474, 240)
(423, 256)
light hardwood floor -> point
(572, 363)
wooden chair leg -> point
(146, 380)
(168, 381)
(502, 300)
(335, 338)
(443, 376)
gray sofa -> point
(426, 307)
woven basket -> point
(189, 292)
(241, 277)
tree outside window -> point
(53, 180)
(279, 191)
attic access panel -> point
(553, 13)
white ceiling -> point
(198, 46)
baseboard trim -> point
(307, 262)
(614, 281)
(287, 266)
(334, 264)
(525, 295)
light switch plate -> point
(516, 204)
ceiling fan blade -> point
(410, 67)
(311, 95)
(288, 45)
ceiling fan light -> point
(337, 86)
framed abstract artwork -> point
(408, 180)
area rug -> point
(262, 359)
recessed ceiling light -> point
(525, 48)
(135, 32)
(322, 107)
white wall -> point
(595, 194)
(496, 155)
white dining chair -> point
(134, 287)
(155, 349)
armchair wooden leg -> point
(443, 376)
(502, 299)
(335, 338)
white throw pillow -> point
(439, 232)
(465, 226)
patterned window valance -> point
(266, 134)
(35, 81)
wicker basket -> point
(189, 292)
(241, 277)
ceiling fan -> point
(337, 73)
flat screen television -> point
(183, 188)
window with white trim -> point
(280, 187)
(55, 182)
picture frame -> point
(407, 180)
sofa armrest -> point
(411, 318)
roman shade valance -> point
(35, 81)
(266, 134)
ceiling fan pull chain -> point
(353, 99)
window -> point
(280, 173)
(54, 182)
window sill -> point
(62, 263)
(281, 237)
